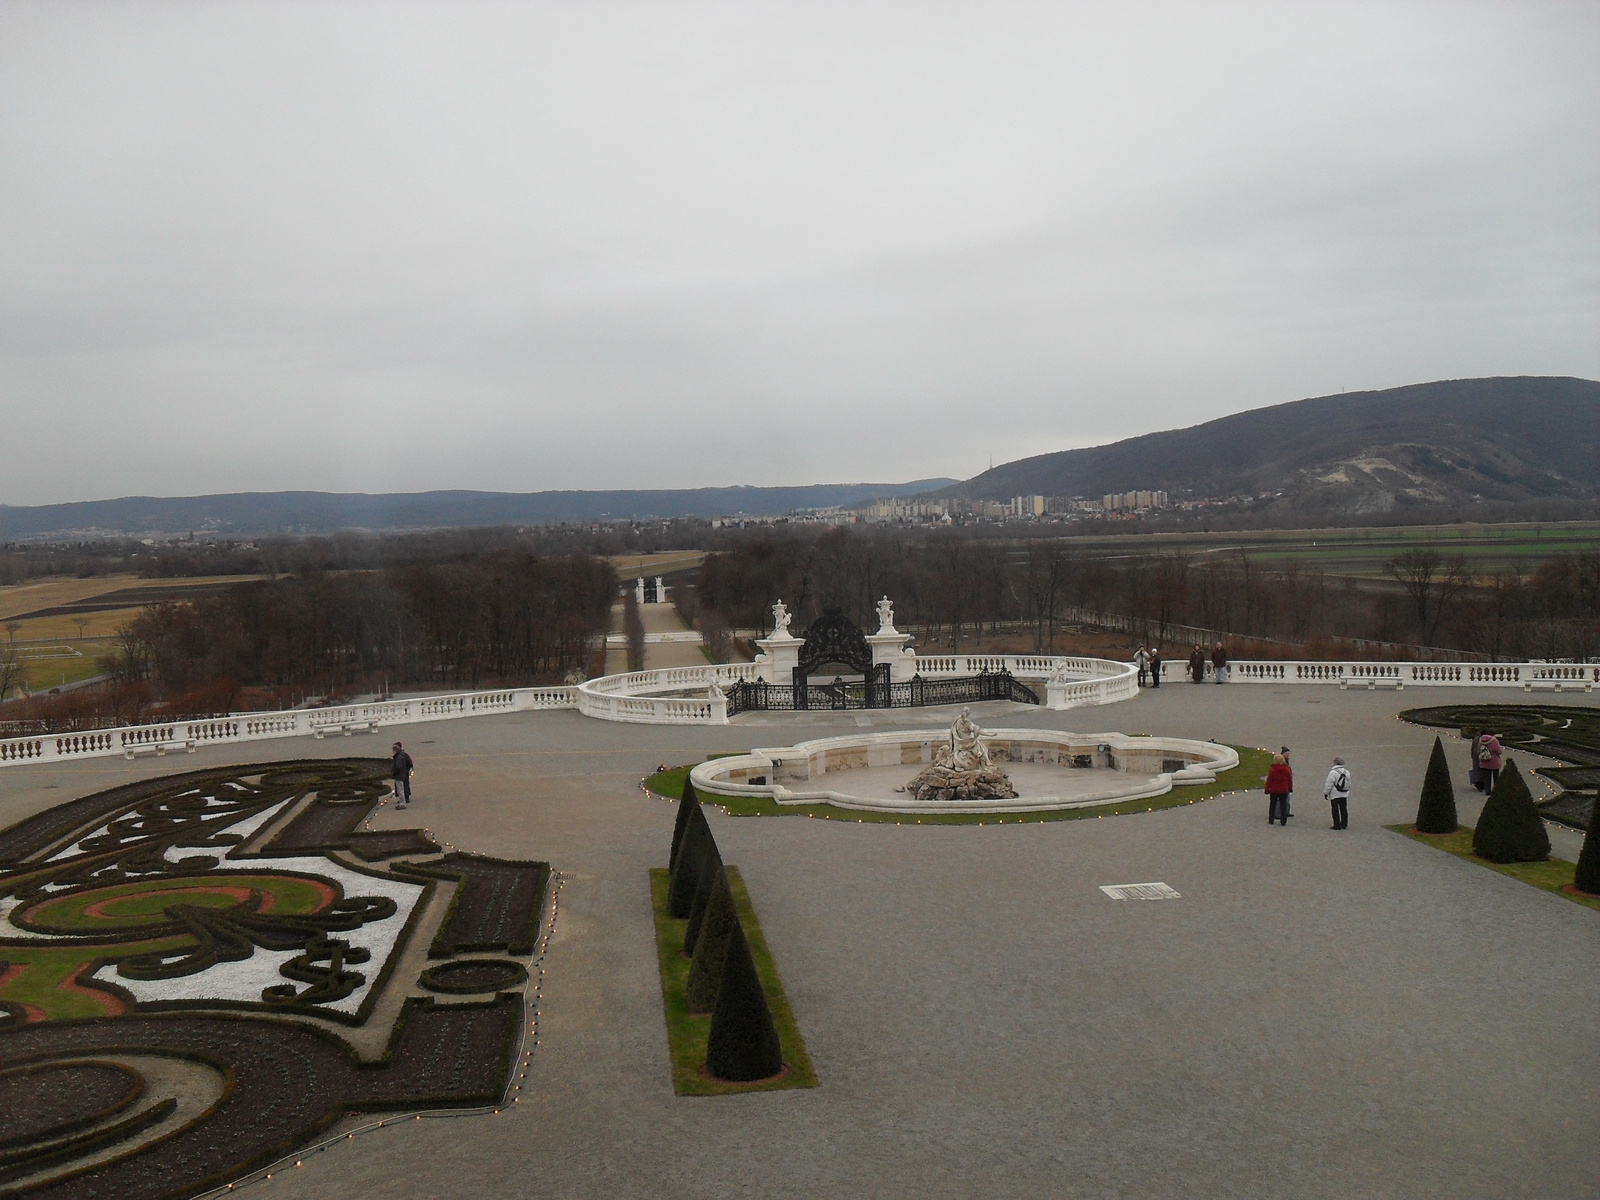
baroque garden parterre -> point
(204, 970)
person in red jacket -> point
(1280, 782)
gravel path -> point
(1319, 1015)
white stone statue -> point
(715, 692)
(965, 750)
(661, 592)
(885, 615)
(638, 591)
(780, 620)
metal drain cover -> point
(1139, 891)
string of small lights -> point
(1059, 814)
(527, 1043)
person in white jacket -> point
(1337, 790)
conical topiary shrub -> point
(1437, 811)
(1586, 879)
(743, 1043)
(686, 874)
(710, 868)
(711, 948)
(1510, 829)
(689, 801)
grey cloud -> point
(362, 247)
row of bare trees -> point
(501, 619)
(948, 584)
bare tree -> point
(1432, 582)
(10, 670)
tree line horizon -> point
(492, 608)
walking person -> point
(1490, 760)
(1155, 666)
(1141, 659)
(1288, 800)
(1280, 782)
(400, 768)
(1337, 790)
(1219, 664)
(1197, 665)
(1474, 770)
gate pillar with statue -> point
(780, 651)
(889, 646)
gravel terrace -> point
(1319, 1015)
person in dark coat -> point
(1288, 801)
(400, 768)
(1155, 666)
(1219, 664)
(1474, 769)
(1280, 782)
(1197, 665)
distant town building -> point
(1128, 501)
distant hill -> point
(260, 513)
(1452, 442)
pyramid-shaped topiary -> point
(711, 948)
(710, 868)
(1510, 828)
(743, 1043)
(689, 801)
(1587, 877)
(685, 879)
(1436, 813)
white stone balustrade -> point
(343, 719)
(665, 697)
(1529, 676)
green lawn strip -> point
(686, 1033)
(1551, 875)
(1249, 775)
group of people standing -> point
(1148, 660)
(1488, 756)
(1280, 787)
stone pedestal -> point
(780, 655)
(661, 591)
(889, 647)
(638, 591)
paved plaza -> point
(1320, 1015)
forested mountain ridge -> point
(247, 513)
(1453, 441)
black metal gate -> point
(834, 638)
(760, 696)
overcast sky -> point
(391, 247)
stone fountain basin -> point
(862, 771)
